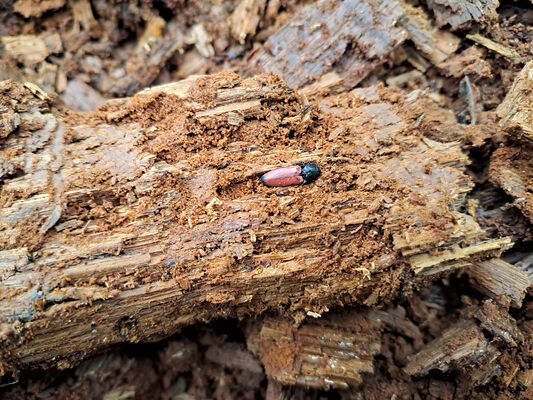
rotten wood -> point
(349, 37)
(511, 168)
(127, 224)
(461, 344)
(500, 280)
(516, 110)
(494, 46)
(245, 19)
(325, 353)
(436, 45)
(459, 14)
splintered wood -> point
(350, 37)
(511, 168)
(500, 280)
(328, 353)
(478, 346)
(516, 110)
(460, 13)
(129, 223)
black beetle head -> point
(310, 172)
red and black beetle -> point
(289, 176)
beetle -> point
(294, 175)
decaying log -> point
(459, 14)
(128, 223)
(500, 280)
(516, 110)
(329, 352)
(349, 37)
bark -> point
(129, 223)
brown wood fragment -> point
(471, 61)
(511, 169)
(500, 280)
(83, 14)
(459, 14)
(29, 49)
(325, 353)
(9, 121)
(348, 37)
(516, 110)
(36, 8)
(494, 46)
(436, 45)
(416, 59)
(462, 343)
(245, 19)
(497, 321)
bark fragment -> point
(350, 38)
(458, 14)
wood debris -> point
(492, 45)
(245, 19)
(321, 354)
(139, 230)
(326, 35)
(436, 45)
(516, 110)
(36, 8)
(511, 169)
(500, 280)
(223, 241)
(459, 14)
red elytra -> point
(286, 176)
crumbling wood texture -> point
(459, 14)
(516, 110)
(245, 19)
(347, 37)
(501, 281)
(436, 45)
(327, 353)
(479, 347)
(126, 224)
(511, 168)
